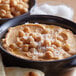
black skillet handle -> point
(70, 64)
(73, 63)
(1, 30)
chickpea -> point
(60, 38)
(2, 12)
(8, 15)
(38, 38)
(13, 2)
(26, 29)
(21, 33)
(17, 13)
(19, 7)
(24, 4)
(33, 44)
(33, 35)
(45, 32)
(6, 7)
(13, 11)
(49, 55)
(12, 46)
(27, 40)
(64, 35)
(24, 10)
(31, 39)
(25, 48)
(19, 43)
(46, 43)
(66, 47)
(24, 40)
(57, 43)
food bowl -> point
(31, 4)
(48, 67)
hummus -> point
(40, 42)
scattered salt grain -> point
(25, 37)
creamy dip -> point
(40, 42)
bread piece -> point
(2, 72)
(16, 71)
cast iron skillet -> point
(31, 4)
(49, 67)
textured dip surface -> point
(40, 42)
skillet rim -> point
(43, 16)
